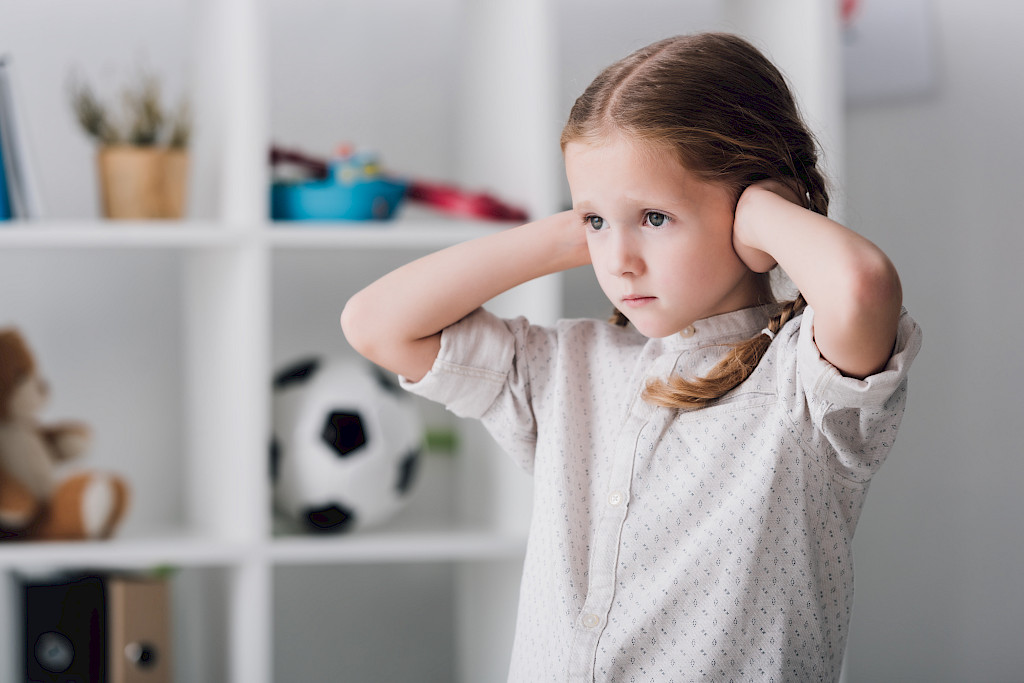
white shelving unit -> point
(165, 336)
(218, 523)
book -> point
(5, 204)
(21, 187)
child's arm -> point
(396, 321)
(849, 282)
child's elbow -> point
(356, 325)
(877, 286)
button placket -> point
(607, 540)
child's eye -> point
(596, 222)
(656, 218)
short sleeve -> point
(858, 418)
(471, 367)
(483, 371)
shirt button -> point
(591, 620)
(688, 331)
(616, 498)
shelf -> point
(403, 547)
(180, 551)
(399, 234)
(121, 553)
(142, 554)
(161, 334)
(128, 234)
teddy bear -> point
(35, 502)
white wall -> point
(937, 183)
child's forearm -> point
(396, 321)
(851, 284)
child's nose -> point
(624, 257)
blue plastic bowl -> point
(325, 200)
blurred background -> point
(928, 167)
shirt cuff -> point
(825, 383)
(471, 367)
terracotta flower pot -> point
(142, 182)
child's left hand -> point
(742, 236)
(850, 283)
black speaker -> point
(97, 629)
(65, 631)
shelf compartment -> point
(104, 326)
(200, 604)
(365, 623)
(108, 328)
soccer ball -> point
(345, 447)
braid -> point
(817, 191)
(743, 357)
(679, 392)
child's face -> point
(660, 239)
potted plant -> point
(142, 157)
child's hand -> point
(571, 237)
(745, 222)
(397, 321)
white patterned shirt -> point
(669, 545)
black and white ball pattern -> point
(345, 446)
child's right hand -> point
(572, 240)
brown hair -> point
(727, 113)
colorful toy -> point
(346, 445)
(352, 186)
(34, 502)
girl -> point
(699, 472)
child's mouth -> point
(637, 301)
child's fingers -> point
(781, 189)
(755, 259)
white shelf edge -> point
(408, 547)
(135, 234)
(361, 548)
(397, 234)
(117, 553)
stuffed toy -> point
(36, 504)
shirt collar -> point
(727, 327)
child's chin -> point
(651, 331)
